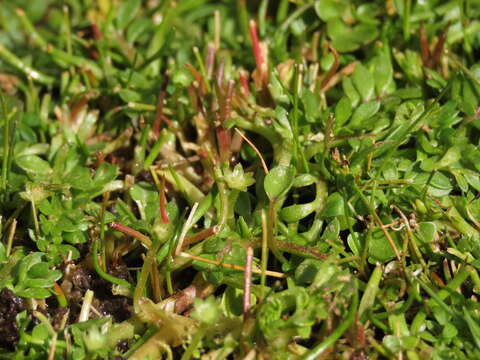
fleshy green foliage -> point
(117, 118)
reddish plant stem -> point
(257, 51)
(438, 280)
(227, 102)
(193, 98)
(237, 141)
(224, 139)
(100, 158)
(163, 202)
(439, 47)
(302, 249)
(129, 231)
(425, 50)
(333, 70)
(79, 105)
(97, 34)
(244, 83)
(62, 299)
(181, 301)
(210, 60)
(220, 74)
(201, 235)
(198, 78)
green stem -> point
(407, 7)
(24, 68)
(335, 335)
(223, 195)
(262, 12)
(67, 29)
(201, 65)
(149, 261)
(56, 53)
(141, 107)
(264, 260)
(243, 19)
(157, 147)
(145, 337)
(161, 33)
(203, 208)
(35, 218)
(187, 355)
(6, 145)
(282, 11)
(442, 295)
(377, 322)
(103, 274)
(294, 16)
(103, 245)
(272, 244)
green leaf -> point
(34, 165)
(128, 95)
(33, 293)
(335, 205)
(392, 343)
(452, 156)
(237, 178)
(294, 213)
(354, 243)
(206, 311)
(306, 272)
(343, 111)
(426, 232)
(76, 237)
(473, 326)
(137, 28)
(182, 77)
(147, 200)
(233, 300)
(127, 12)
(345, 38)
(330, 9)
(104, 174)
(26, 263)
(79, 178)
(350, 91)
(364, 82)
(449, 331)
(364, 112)
(434, 79)
(368, 298)
(278, 181)
(35, 192)
(379, 247)
(383, 73)
(311, 104)
(304, 180)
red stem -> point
(129, 231)
(244, 83)
(97, 34)
(257, 51)
(163, 202)
(205, 233)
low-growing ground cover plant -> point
(284, 179)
